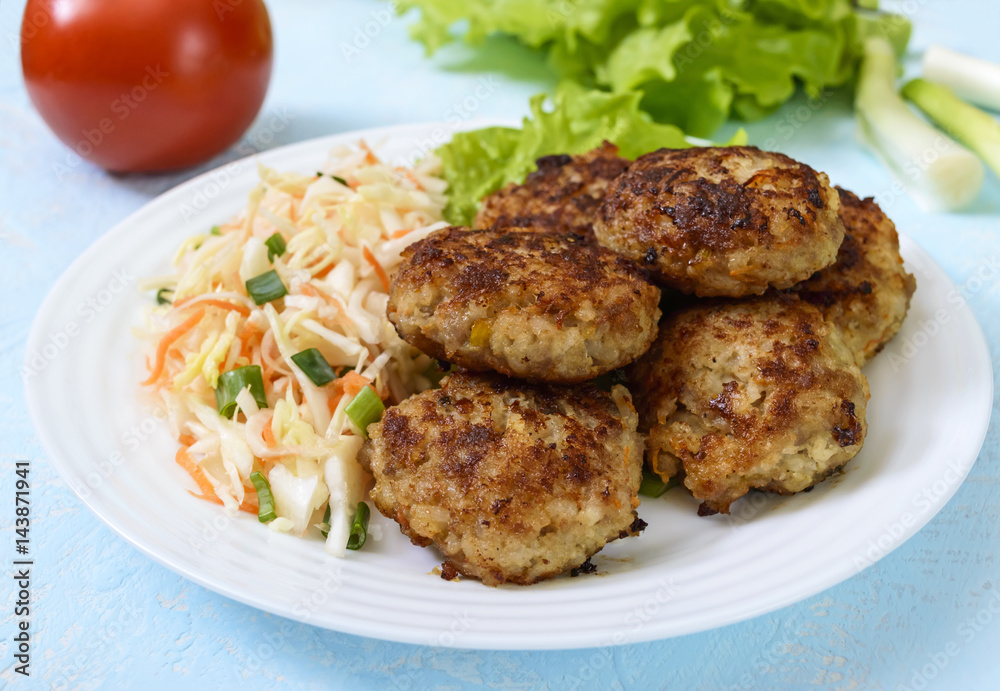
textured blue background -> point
(106, 616)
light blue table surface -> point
(107, 617)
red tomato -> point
(143, 85)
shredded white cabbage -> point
(342, 242)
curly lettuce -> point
(573, 120)
(694, 63)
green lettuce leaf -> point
(573, 120)
(473, 166)
(798, 13)
(697, 102)
(705, 66)
(695, 62)
(534, 22)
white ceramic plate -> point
(930, 407)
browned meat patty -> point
(722, 221)
(532, 305)
(513, 483)
(562, 196)
(756, 394)
(867, 291)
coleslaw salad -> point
(293, 286)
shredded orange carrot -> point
(250, 504)
(249, 329)
(414, 179)
(379, 271)
(167, 341)
(342, 316)
(250, 499)
(268, 433)
(266, 370)
(370, 156)
(246, 337)
(186, 440)
(325, 270)
(223, 304)
(332, 402)
(400, 233)
(350, 384)
(185, 461)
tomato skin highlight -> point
(147, 86)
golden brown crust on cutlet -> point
(533, 305)
(722, 221)
(562, 196)
(867, 291)
(758, 393)
(512, 482)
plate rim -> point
(33, 395)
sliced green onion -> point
(940, 174)
(324, 527)
(653, 485)
(215, 231)
(275, 246)
(365, 409)
(234, 381)
(972, 79)
(973, 127)
(359, 529)
(265, 500)
(266, 287)
(315, 366)
(341, 180)
(160, 300)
